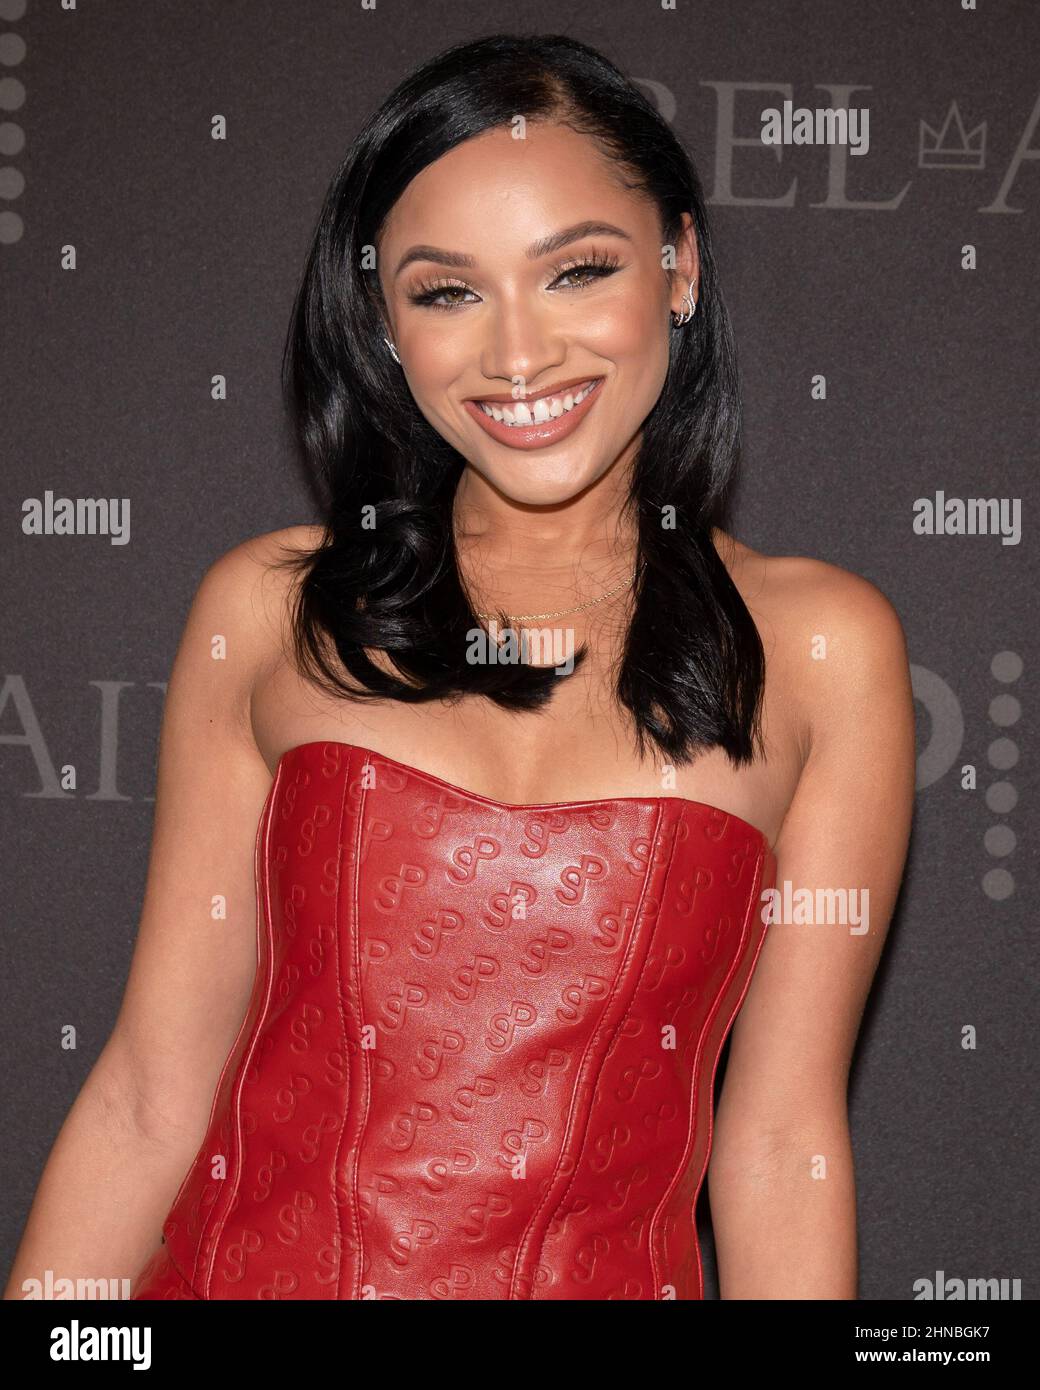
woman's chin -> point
(543, 492)
(535, 482)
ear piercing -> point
(687, 310)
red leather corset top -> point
(479, 1056)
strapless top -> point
(479, 1056)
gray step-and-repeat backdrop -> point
(140, 257)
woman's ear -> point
(687, 266)
(687, 257)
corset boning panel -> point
(479, 1056)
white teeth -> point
(545, 408)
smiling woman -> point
(582, 307)
(514, 379)
(528, 336)
(507, 912)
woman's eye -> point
(434, 296)
(594, 270)
(452, 296)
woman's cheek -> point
(634, 337)
(430, 355)
(431, 368)
(621, 328)
(430, 383)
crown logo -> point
(942, 150)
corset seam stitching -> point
(333, 1178)
(364, 1070)
(263, 918)
(657, 1266)
(680, 821)
(691, 1132)
(615, 989)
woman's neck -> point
(586, 538)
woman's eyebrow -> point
(555, 242)
(558, 240)
(433, 253)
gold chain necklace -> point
(565, 612)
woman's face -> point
(482, 309)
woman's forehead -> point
(497, 191)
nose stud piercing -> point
(687, 310)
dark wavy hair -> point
(384, 576)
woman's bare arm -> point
(141, 1114)
(781, 1181)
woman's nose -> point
(523, 341)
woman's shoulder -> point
(251, 585)
(263, 557)
(834, 641)
(803, 596)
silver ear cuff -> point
(687, 310)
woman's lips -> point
(538, 435)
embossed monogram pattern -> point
(479, 1054)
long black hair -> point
(384, 576)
